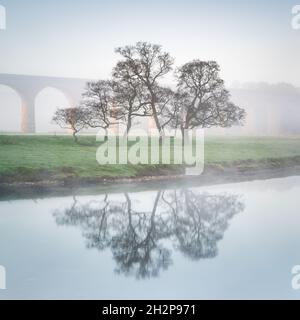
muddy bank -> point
(217, 173)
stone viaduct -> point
(28, 87)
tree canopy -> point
(198, 98)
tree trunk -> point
(156, 119)
(129, 124)
(183, 128)
(75, 136)
(154, 111)
(182, 135)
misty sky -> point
(252, 40)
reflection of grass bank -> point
(35, 158)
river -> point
(227, 241)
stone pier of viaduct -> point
(28, 87)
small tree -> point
(97, 104)
(72, 119)
(206, 102)
(147, 63)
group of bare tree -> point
(135, 90)
(192, 221)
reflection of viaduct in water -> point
(28, 87)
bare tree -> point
(98, 104)
(169, 106)
(72, 119)
(147, 63)
(130, 95)
(207, 102)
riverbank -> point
(41, 164)
(222, 173)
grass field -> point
(23, 156)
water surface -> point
(226, 241)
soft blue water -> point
(227, 241)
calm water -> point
(226, 241)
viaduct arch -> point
(28, 87)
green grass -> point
(22, 156)
(230, 149)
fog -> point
(272, 109)
(251, 40)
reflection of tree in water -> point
(93, 218)
(192, 221)
(200, 220)
(136, 244)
